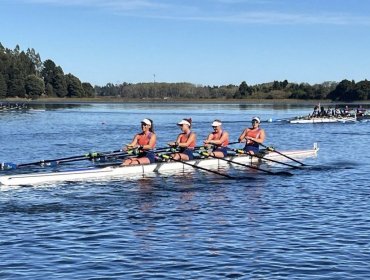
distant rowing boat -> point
(140, 170)
(304, 120)
(12, 107)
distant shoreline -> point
(112, 100)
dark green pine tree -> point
(89, 90)
(59, 83)
(16, 83)
(244, 89)
(35, 86)
(3, 87)
(74, 86)
(48, 71)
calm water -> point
(313, 225)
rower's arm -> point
(175, 143)
(261, 137)
(242, 136)
(209, 139)
(133, 143)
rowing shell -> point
(323, 120)
(139, 170)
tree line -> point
(342, 91)
(24, 75)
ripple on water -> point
(312, 225)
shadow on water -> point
(337, 165)
(351, 133)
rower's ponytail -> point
(189, 120)
(151, 128)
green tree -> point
(48, 71)
(54, 76)
(362, 90)
(344, 91)
(16, 83)
(49, 91)
(74, 86)
(35, 86)
(88, 90)
(36, 60)
(3, 86)
(244, 89)
(59, 83)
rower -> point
(185, 141)
(253, 136)
(219, 139)
(144, 142)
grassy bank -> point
(115, 100)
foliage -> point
(74, 86)
(34, 86)
(88, 90)
(23, 74)
(3, 86)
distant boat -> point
(12, 107)
(308, 119)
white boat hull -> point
(323, 120)
(94, 173)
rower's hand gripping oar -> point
(196, 166)
(273, 150)
(284, 173)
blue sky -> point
(206, 42)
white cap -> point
(216, 123)
(184, 122)
(256, 119)
(146, 121)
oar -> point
(273, 150)
(89, 156)
(196, 166)
(239, 151)
(249, 166)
